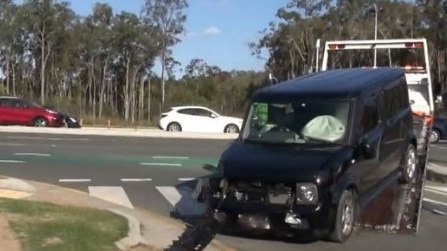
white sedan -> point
(198, 119)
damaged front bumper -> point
(268, 212)
(262, 216)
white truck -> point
(419, 81)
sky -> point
(217, 31)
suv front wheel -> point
(345, 217)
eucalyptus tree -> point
(169, 17)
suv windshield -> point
(298, 122)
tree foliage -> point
(102, 65)
(291, 42)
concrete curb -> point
(16, 184)
(126, 132)
(134, 233)
(133, 236)
(437, 173)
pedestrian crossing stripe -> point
(113, 194)
(182, 200)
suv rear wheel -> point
(435, 136)
(409, 165)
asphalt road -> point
(154, 174)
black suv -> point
(311, 148)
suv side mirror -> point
(213, 116)
(368, 150)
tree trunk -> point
(14, 88)
(149, 100)
(141, 99)
(126, 91)
(132, 98)
(163, 65)
(7, 72)
(103, 87)
(42, 71)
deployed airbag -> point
(325, 127)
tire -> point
(231, 128)
(40, 122)
(435, 136)
(174, 127)
(344, 227)
(409, 164)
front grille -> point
(263, 192)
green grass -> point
(46, 227)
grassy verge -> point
(116, 122)
(119, 126)
(46, 227)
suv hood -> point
(277, 163)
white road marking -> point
(11, 144)
(48, 138)
(160, 164)
(11, 161)
(113, 194)
(186, 179)
(437, 146)
(436, 165)
(435, 191)
(170, 157)
(182, 201)
(33, 154)
(437, 188)
(74, 180)
(135, 180)
(435, 202)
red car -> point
(17, 111)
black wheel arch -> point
(173, 122)
(434, 128)
(346, 182)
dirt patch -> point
(8, 240)
(143, 247)
(52, 241)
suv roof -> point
(339, 83)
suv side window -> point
(394, 100)
(370, 115)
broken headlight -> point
(306, 193)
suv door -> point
(369, 169)
(394, 118)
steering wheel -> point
(280, 128)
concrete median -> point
(128, 132)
